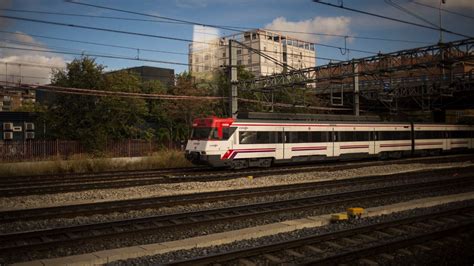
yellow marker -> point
(356, 211)
(250, 177)
(339, 217)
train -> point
(240, 143)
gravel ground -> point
(460, 252)
(98, 195)
(157, 237)
(80, 220)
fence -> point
(37, 150)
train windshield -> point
(201, 133)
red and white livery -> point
(225, 142)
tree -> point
(92, 119)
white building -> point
(204, 58)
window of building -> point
(239, 51)
(206, 57)
(264, 48)
(247, 36)
(223, 54)
(254, 36)
(249, 61)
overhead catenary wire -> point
(197, 23)
(138, 48)
(148, 35)
(442, 9)
(392, 19)
(208, 33)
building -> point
(17, 126)
(146, 73)
(14, 97)
(204, 58)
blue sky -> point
(299, 15)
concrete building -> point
(204, 58)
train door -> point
(372, 142)
(336, 151)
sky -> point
(289, 15)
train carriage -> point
(225, 142)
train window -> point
(429, 135)
(353, 136)
(394, 135)
(247, 137)
(459, 134)
(227, 132)
(260, 137)
(319, 136)
(201, 133)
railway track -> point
(46, 239)
(184, 199)
(366, 243)
(37, 185)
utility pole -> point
(355, 81)
(233, 108)
(440, 28)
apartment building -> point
(204, 58)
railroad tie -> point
(368, 262)
(396, 231)
(246, 262)
(350, 241)
(382, 233)
(293, 253)
(313, 249)
(422, 247)
(332, 244)
(272, 258)
(387, 256)
(366, 237)
(405, 252)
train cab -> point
(210, 138)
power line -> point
(158, 36)
(30, 64)
(401, 8)
(227, 26)
(392, 19)
(199, 24)
(137, 49)
(98, 55)
(442, 9)
(94, 43)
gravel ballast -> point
(98, 195)
(81, 247)
(450, 254)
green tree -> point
(91, 119)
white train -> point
(225, 142)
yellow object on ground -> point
(357, 211)
(339, 217)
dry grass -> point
(87, 164)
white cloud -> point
(326, 25)
(19, 65)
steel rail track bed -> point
(183, 199)
(196, 175)
(350, 245)
(45, 239)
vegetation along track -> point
(21, 186)
(45, 239)
(184, 199)
(350, 245)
